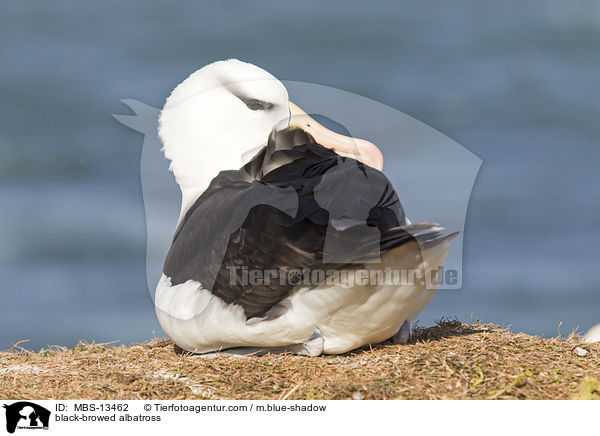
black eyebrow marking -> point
(255, 104)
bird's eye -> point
(258, 105)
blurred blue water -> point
(516, 83)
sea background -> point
(516, 83)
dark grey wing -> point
(255, 233)
(200, 242)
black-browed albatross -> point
(287, 252)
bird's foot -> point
(404, 335)
(313, 346)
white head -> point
(224, 110)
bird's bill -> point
(359, 149)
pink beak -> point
(359, 149)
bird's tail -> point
(426, 234)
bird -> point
(300, 247)
(592, 335)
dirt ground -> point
(449, 361)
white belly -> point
(347, 317)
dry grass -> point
(449, 361)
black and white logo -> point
(26, 415)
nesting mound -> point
(449, 361)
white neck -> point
(195, 177)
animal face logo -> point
(26, 415)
